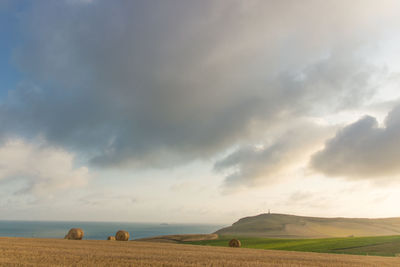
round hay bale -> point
(122, 235)
(111, 238)
(75, 234)
(234, 243)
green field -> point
(377, 245)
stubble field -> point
(58, 252)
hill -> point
(292, 226)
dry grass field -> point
(59, 252)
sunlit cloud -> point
(363, 150)
(42, 170)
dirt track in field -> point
(59, 252)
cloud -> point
(40, 170)
(77, 2)
(363, 150)
(166, 82)
(107, 200)
(311, 200)
(273, 162)
(5, 5)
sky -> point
(199, 111)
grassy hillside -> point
(291, 226)
(378, 245)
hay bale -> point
(111, 238)
(75, 234)
(234, 243)
(122, 235)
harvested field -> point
(45, 252)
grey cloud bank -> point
(252, 166)
(363, 150)
(159, 83)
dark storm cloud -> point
(363, 150)
(139, 83)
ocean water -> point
(99, 230)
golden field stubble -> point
(45, 252)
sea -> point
(99, 230)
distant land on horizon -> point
(275, 225)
